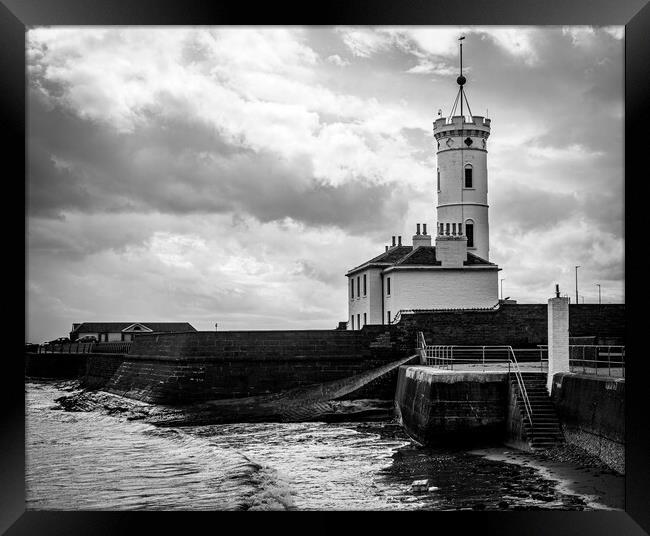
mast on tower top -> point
(461, 80)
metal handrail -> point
(522, 387)
(443, 356)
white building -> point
(456, 272)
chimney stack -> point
(421, 239)
(451, 250)
(393, 242)
(399, 240)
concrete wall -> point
(438, 407)
(430, 289)
(515, 435)
(592, 412)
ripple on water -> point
(86, 460)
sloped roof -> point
(420, 256)
(112, 327)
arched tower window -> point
(468, 176)
(438, 179)
(469, 233)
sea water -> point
(96, 461)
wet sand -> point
(602, 488)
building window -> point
(438, 175)
(352, 288)
(388, 317)
(352, 319)
(358, 286)
(359, 321)
(469, 232)
(468, 176)
(388, 286)
(365, 319)
(364, 285)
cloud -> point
(363, 42)
(233, 175)
(428, 67)
(338, 61)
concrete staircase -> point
(546, 431)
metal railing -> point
(522, 388)
(592, 358)
(118, 347)
(66, 348)
(483, 357)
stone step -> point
(537, 432)
(540, 430)
(543, 424)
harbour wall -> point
(441, 406)
(198, 366)
(592, 413)
(183, 368)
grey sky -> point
(234, 175)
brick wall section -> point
(604, 321)
(514, 324)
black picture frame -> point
(16, 15)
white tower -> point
(462, 174)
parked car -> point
(60, 340)
(87, 338)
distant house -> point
(124, 331)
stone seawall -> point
(592, 412)
(440, 406)
(200, 366)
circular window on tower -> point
(468, 141)
(450, 142)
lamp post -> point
(598, 285)
(502, 288)
(577, 283)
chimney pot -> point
(424, 228)
(418, 228)
(399, 240)
(386, 248)
(393, 241)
